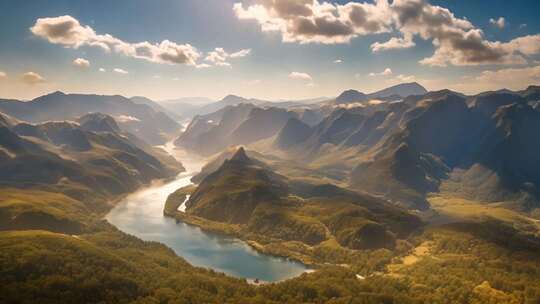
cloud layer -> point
(456, 40)
(67, 31)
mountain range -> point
(138, 118)
(89, 160)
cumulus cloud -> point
(81, 63)
(120, 71)
(309, 21)
(67, 31)
(300, 76)
(338, 61)
(456, 40)
(32, 78)
(393, 43)
(386, 72)
(219, 56)
(500, 23)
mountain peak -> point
(240, 156)
(351, 95)
(402, 90)
(233, 99)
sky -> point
(268, 49)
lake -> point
(141, 214)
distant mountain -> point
(154, 105)
(440, 141)
(396, 92)
(233, 125)
(293, 132)
(401, 90)
(98, 122)
(261, 124)
(351, 96)
(140, 119)
(187, 108)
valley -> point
(270, 152)
(330, 204)
(141, 214)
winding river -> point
(141, 214)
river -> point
(141, 214)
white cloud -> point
(393, 43)
(528, 45)
(67, 31)
(338, 61)
(120, 71)
(386, 72)
(102, 70)
(456, 40)
(3, 75)
(219, 56)
(81, 63)
(300, 76)
(241, 53)
(32, 78)
(500, 23)
(309, 21)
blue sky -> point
(266, 72)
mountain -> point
(396, 92)
(260, 124)
(208, 134)
(401, 90)
(350, 96)
(140, 119)
(155, 105)
(98, 122)
(186, 107)
(232, 125)
(190, 107)
(64, 157)
(293, 132)
(268, 206)
(440, 142)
